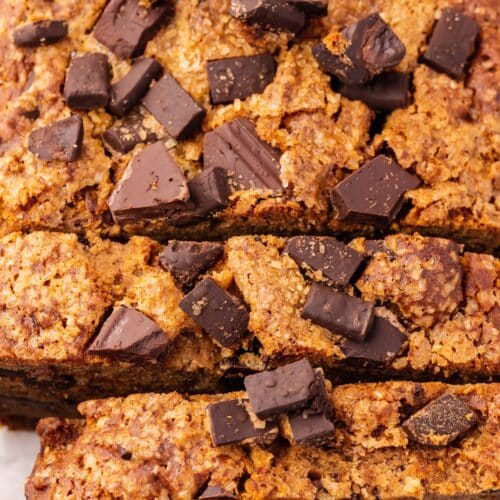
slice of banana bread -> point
(243, 92)
(161, 446)
(81, 320)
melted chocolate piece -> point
(209, 192)
(311, 428)
(382, 344)
(250, 162)
(132, 87)
(129, 335)
(216, 493)
(276, 15)
(239, 77)
(311, 7)
(385, 92)
(60, 141)
(373, 194)
(338, 312)
(126, 26)
(452, 43)
(174, 108)
(336, 262)
(152, 186)
(219, 313)
(40, 33)
(289, 387)
(441, 421)
(186, 260)
(230, 423)
(87, 82)
(124, 136)
(371, 47)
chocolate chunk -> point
(337, 64)
(219, 313)
(382, 344)
(441, 421)
(40, 33)
(87, 82)
(333, 260)
(60, 141)
(230, 423)
(186, 260)
(132, 87)
(311, 428)
(276, 15)
(338, 312)
(311, 7)
(31, 114)
(287, 388)
(239, 77)
(209, 192)
(153, 185)
(126, 26)
(250, 162)
(385, 92)
(216, 493)
(363, 50)
(374, 194)
(452, 43)
(321, 402)
(129, 335)
(124, 136)
(174, 108)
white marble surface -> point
(18, 450)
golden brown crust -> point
(170, 452)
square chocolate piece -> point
(230, 423)
(287, 388)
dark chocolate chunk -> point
(338, 312)
(239, 77)
(250, 162)
(311, 428)
(129, 335)
(385, 92)
(365, 49)
(374, 194)
(338, 65)
(441, 421)
(321, 402)
(124, 136)
(153, 185)
(276, 15)
(40, 33)
(336, 262)
(289, 387)
(186, 260)
(311, 7)
(382, 344)
(452, 43)
(209, 192)
(126, 26)
(230, 423)
(124, 453)
(174, 108)
(219, 313)
(216, 493)
(60, 141)
(87, 82)
(31, 114)
(132, 87)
